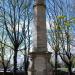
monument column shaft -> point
(40, 39)
(40, 56)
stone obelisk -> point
(40, 56)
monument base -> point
(40, 63)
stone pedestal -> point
(40, 63)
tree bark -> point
(26, 64)
(5, 69)
(15, 62)
(70, 69)
(55, 62)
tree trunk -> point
(15, 62)
(55, 62)
(69, 69)
(5, 69)
(26, 63)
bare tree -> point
(14, 20)
(4, 48)
(60, 30)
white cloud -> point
(48, 25)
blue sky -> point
(65, 11)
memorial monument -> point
(40, 55)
